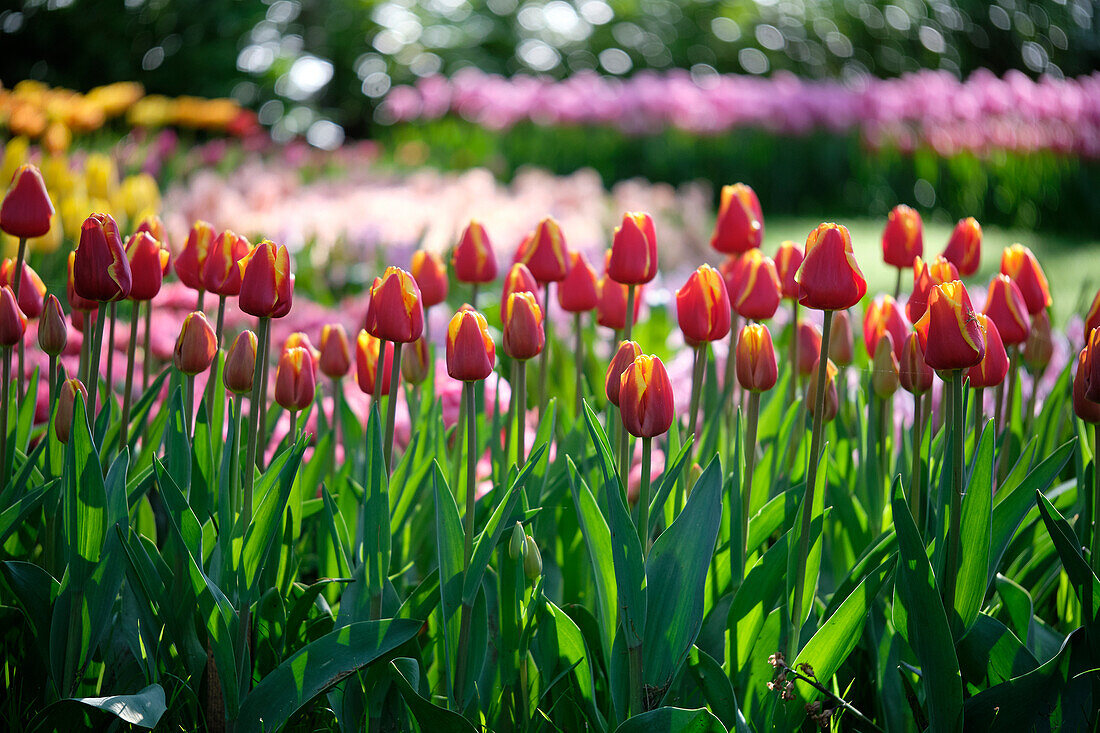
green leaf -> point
(143, 709)
(405, 672)
(813, 557)
(975, 535)
(449, 547)
(717, 689)
(559, 648)
(673, 720)
(597, 538)
(318, 666)
(928, 631)
(1079, 572)
(85, 501)
(676, 576)
(376, 509)
(990, 653)
(265, 530)
(754, 601)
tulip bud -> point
(155, 227)
(196, 346)
(964, 249)
(611, 308)
(633, 250)
(1039, 347)
(703, 306)
(829, 278)
(580, 290)
(13, 324)
(645, 397)
(757, 370)
(148, 263)
(914, 373)
(518, 280)
(532, 560)
(903, 237)
(883, 315)
(950, 335)
(32, 291)
(192, 260)
(927, 275)
(471, 353)
(1086, 409)
(517, 545)
(267, 286)
(366, 364)
(1092, 380)
(1020, 264)
(53, 333)
(787, 261)
(1092, 319)
(430, 273)
(76, 302)
(26, 209)
(884, 375)
(993, 367)
(624, 357)
(523, 330)
(473, 259)
(1004, 305)
(694, 474)
(240, 364)
(395, 312)
(335, 357)
(63, 420)
(841, 341)
(809, 347)
(294, 380)
(220, 273)
(832, 402)
(547, 255)
(101, 271)
(740, 223)
(415, 364)
(758, 289)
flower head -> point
(740, 223)
(101, 271)
(830, 278)
(633, 250)
(645, 397)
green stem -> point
(808, 499)
(697, 372)
(520, 389)
(628, 318)
(643, 496)
(468, 540)
(93, 361)
(49, 426)
(234, 456)
(379, 373)
(337, 394)
(391, 404)
(258, 394)
(792, 386)
(544, 357)
(979, 396)
(473, 295)
(147, 347)
(635, 662)
(897, 285)
(1095, 547)
(753, 417)
(127, 397)
(625, 456)
(915, 490)
(189, 404)
(211, 383)
(18, 277)
(956, 446)
(5, 396)
(578, 356)
(109, 384)
(86, 339)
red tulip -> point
(220, 272)
(993, 367)
(927, 275)
(964, 249)
(395, 312)
(758, 289)
(26, 209)
(473, 259)
(740, 223)
(832, 402)
(950, 335)
(611, 309)
(757, 370)
(547, 255)
(155, 227)
(13, 324)
(633, 250)
(471, 353)
(190, 262)
(267, 285)
(63, 420)
(295, 384)
(430, 273)
(300, 339)
(148, 263)
(101, 271)
(829, 278)
(366, 364)
(1084, 406)
(335, 357)
(1004, 304)
(196, 346)
(53, 333)
(809, 347)
(32, 291)
(903, 237)
(624, 356)
(914, 373)
(1020, 264)
(645, 397)
(240, 364)
(1092, 383)
(883, 315)
(787, 261)
(523, 330)
(519, 280)
(579, 291)
(702, 306)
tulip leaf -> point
(559, 649)
(989, 653)
(405, 672)
(376, 508)
(813, 557)
(717, 689)
(449, 547)
(754, 601)
(673, 720)
(143, 709)
(976, 529)
(597, 538)
(1066, 543)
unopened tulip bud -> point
(32, 291)
(964, 249)
(633, 250)
(757, 369)
(101, 271)
(240, 364)
(517, 544)
(1086, 409)
(1092, 318)
(547, 255)
(829, 278)
(645, 398)
(831, 400)
(367, 350)
(950, 333)
(1005, 306)
(395, 312)
(758, 289)
(903, 237)
(191, 261)
(471, 353)
(26, 209)
(883, 315)
(523, 329)
(294, 381)
(1040, 346)
(884, 376)
(624, 356)
(703, 306)
(809, 347)
(694, 474)
(841, 341)
(430, 273)
(63, 420)
(13, 324)
(53, 333)
(532, 560)
(473, 259)
(148, 263)
(1019, 263)
(611, 308)
(155, 227)
(267, 286)
(914, 373)
(740, 223)
(335, 356)
(518, 280)
(927, 275)
(787, 261)
(992, 369)
(196, 346)
(580, 290)
(1092, 382)
(416, 362)
(220, 273)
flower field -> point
(285, 447)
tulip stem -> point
(635, 666)
(109, 384)
(93, 360)
(897, 285)
(253, 421)
(628, 318)
(578, 355)
(474, 287)
(624, 455)
(811, 483)
(147, 347)
(211, 383)
(753, 417)
(189, 404)
(1095, 554)
(979, 402)
(468, 540)
(293, 426)
(521, 413)
(915, 490)
(1010, 397)
(391, 402)
(699, 368)
(18, 280)
(885, 431)
(544, 357)
(956, 446)
(379, 374)
(643, 496)
(199, 300)
(85, 348)
(49, 425)
(234, 458)
(731, 358)
(792, 386)
(21, 387)
(337, 394)
(124, 430)
(5, 395)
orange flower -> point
(993, 367)
(240, 364)
(63, 420)
(927, 275)
(913, 372)
(301, 339)
(579, 291)
(1005, 306)
(518, 280)
(624, 356)
(395, 312)
(26, 209)
(366, 363)
(53, 333)
(523, 330)
(903, 237)
(220, 273)
(757, 370)
(702, 306)
(1020, 264)
(13, 324)
(196, 346)
(950, 335)
(294, 380)
(787, 261)
(740, 223)
(155, 227)
(101, 271)
(430, 273)
(831, 400)
(471, 353)
(758, 290)
(829, 278)
(473, 259)
(547, 255)
(633, 250)
(883, 315)
(267, 285)
(964, 249)
(645, 397)
(335, 358)
(32, 291)
(189, 264)
(148, 263)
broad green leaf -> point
(597, 538)
(376, 509)
(755, 600)
(1017, 606)
(449, 547)
(143, 709)
(1079, 572)
(405, 672)
(975, 535)
(717, 689)
(559, 648)
(673, 720)
(989, 653)
(273, 490)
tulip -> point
(518, 280)
(414, 370)
(758, 289)
(195, 346)
(1086, 409)
(471, 353)
(633, 250)
(26, 209)
(240, 364)
(992, 369)
(883, 315)
(1005, 306)
(221, 274)
(842, 343)
(579, 292)
(148, 261)
(1092, 318)
(624, 356)
(52, 331)
(740, 223)
(76, 301)
(294, 381)
(192, 260)
(30, 292)
(902, 240)
(1020, 264)
(787, 261)
(611, 309)
(335, 353)
(13, 324)
(101, 271)
(1092, 382)
(267, 285)
(885, 378)
(829, 278)
(367, 349)
(547, 255)
(154, 226)
(473, 259)
(809, 348)
(964, 248)
(757, 370)
(430, 273)
(950, 334)
(63, 419)
(927, 275)
(1039, 347)
(646, 407)
(532, 560)
(702, 306)
(523, 330)
(1086, 404)
(830, 401)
